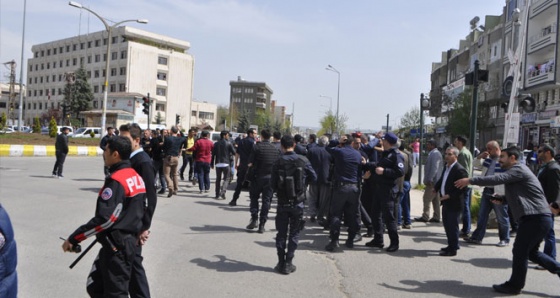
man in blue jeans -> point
(525, 196)
(491, 166)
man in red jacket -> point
(203, 152)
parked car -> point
(84, 132)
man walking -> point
(61, 150)
(222, 153)
(203, 148)
(525, 196)
(261, 160)
(432, 172)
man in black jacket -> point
(142, 164)
(451, 199)
(61, 150)
(222, 153)
(549, 177)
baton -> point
(83, 254)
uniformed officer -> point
(289, 213)
(385, 174)
(346, 193)
(117, 222)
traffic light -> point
(527, 104)
(146, 105)
(177, 119)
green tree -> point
(78, 96)
(243, 122)
(36, 125)
(53, 129)
(3, 120)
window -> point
(112, 88)
(123, 71)
(96, 74)
(160, 91)
(123, 54)
(162, 76)
(122, 87)
(97, 58)
(206, 115)
(114, 55)
(162, 60)
(113, 72)
(95, 89)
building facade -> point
(139, 62)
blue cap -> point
(391, 138)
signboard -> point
(512, 136)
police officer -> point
(346, 193)
(385, 173)
(261, 160)
(289, 213)
(117, 222)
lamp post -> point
(424, 104)
(331, 68)
(109, 31)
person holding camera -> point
(116, 224)
(525, 197)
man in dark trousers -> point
(385, 174)
(142, 164)
(116, 224)
(222, 153)
(525, 197)
(291, 196)
(261, 159)
(451, 199)
(244, 149)
(347, 167)
(549, 177)
(61, 150)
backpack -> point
(290, 186)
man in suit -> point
(451, 199)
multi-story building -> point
(248, 98)
(139, 62)
(204, 115)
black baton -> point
(83, 254)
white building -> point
(140, 62)
(204, 114)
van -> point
(84, 132)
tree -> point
(53, 129)
(459, 122)
(36, 125)
(78, 96)
(243, 123)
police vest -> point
(290, 186)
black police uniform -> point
(346, 193)
(117, 221)
(289, 216)
(384, 197)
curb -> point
(34, 150)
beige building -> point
(139, 62)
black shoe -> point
(392, 248)
(261, 228)
(162, 191)
(421, 219)
(358, 238)
(448, 253)
(374, 244)
(434, 220)
(289, 268)
(332, 246)
(506, 288)
(232, 203)
(252, 224)
(349, 243)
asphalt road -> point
(200, 248)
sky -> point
(384, 50)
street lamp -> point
(331, 68)
(424, 104)
(109, 31)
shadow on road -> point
(442, 287)
(223, 264)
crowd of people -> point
(356, 180)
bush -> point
(53, 128)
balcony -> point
(540, 73)
(261, 105)
(543, 39)
(541, 5)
